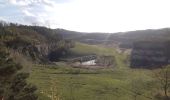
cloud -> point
(90, 15)
(63, 1)
(31, 2)
(2, 19)
(2, 4)
(34, 11)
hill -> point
(123, 39)
(40, 44)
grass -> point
(62, 82)
(85, 49)
(90, 84)
(82, 48)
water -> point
(89, 63)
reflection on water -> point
(91, 62)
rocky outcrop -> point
(41, 52)
(149, 54)
(52, 51)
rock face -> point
(43, 52)
(53, 51)
(149, 54)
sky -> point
(89, 15)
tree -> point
(163, 77)
(13, 85)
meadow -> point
(62, 82)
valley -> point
(119, 82)
(62, 67)
(84, 50)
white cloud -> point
(2, 4)
(27, 13)
(111, 15)
(96, 15)
(33, 10)
(3, 19)
(31, 2)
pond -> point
(88, 63)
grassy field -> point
(62, 82)
(85, 49)
(81, 84)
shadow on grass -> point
(161, 97)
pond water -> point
(88, 63)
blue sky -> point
(89, 15)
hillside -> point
(40, 44)
(123, 39)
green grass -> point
(82, 48)
(116, 83)
(85, 49)
(90, 84)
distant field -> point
(117, 83)
(81, 48)
(85, 49)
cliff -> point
(149, 54)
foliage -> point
(13, 85)
(35, 42)
(123, 39)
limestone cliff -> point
(149, 54)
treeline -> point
(122, 39)
(40, 43)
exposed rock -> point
(149, 54)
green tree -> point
(13, 85)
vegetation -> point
(57, 80)
(163, 76)
(22, 42)
(121, 60)
(36, 42)
(119, 82)
(13, 85)
(84, 84)
(123, 39)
